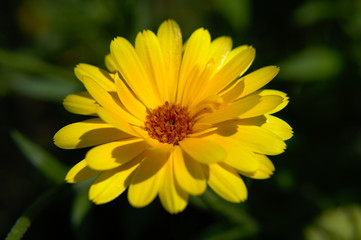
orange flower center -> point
(169, 123)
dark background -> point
(315, 191)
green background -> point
(315, 191)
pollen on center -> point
(169, 123)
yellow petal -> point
(80, 172)
(111, 155)
(234, 52)
(203, 150)
(278, 126)
(226, 182)
(130, 102)
(110, 63)
(266, 105)
(170, 40)
(260, 140)
(197, 79)
(238, 156)
(257, 79)
(108, 101)
(269, 92)
(115, 119)
(265, 169)
(249, 83)
(231, 70)
(132, 70)
(232, 110)
(102, 77)
(172, 197)
(188, 172)
(232, 93)
(150, 54)
(80, 103)
(195, 53)
(219, 50)
(110, 184)
(146, 181)
(87, 133)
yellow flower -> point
(170, 119)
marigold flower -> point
(170, 119)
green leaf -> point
(315, 11)
(21, 62)
(237, 12)
(239, 223)
(42, 160)
(81, 204)
(312, 64)
(43, 202)
(19, 229)
(340, 223)
(46, 89)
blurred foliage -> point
(337, 224)
(317, 44)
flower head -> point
(170, 119)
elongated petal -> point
(170, 40)
(80, 103)
(219, 50)
(203, 150)
(111, 155)
(232, 110)
(110, 184)
(197, 79)
(130, 102)
(226, 182)
(133, 72)
(249, 83)
(231, 70)
(266, 105)
(188, 172)
(260, 140)
(238, 156)
(108, 101)
(110, 63)
(278, 126)
(258, 79)
(146, 181)
(87, 133)
(80, 172)
(235, 52)
(269, 92)
(265, 169)
(150, 54)
(172, 197)
(195, 53)
(115, 119)
(102, 77)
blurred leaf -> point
(43, 161)
(343, 223)
(4, 87)
(19, 228)
(312, 64)
(47, 89)
(81, 204)
(240, 224)
(30, 64)
(35, 209)
(314, 11)
(284, 179)
(234, 233)
(237, 12)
